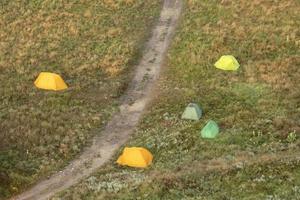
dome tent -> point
(227, 62)
(210, 130)
(192, 112)
(135, 157)
(50, 81)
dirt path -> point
(123, 123)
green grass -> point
(278, 180)
(92, 45)
(257, 108)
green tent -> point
(192, 112)
(210, 130)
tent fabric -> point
(227, 62)
(135, 157)
(50, 81)
(210, 130)
(192, 112)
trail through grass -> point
(93, 45)
(257, 109)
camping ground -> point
(257, 108)
(93, 45)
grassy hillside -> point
(257, 108)
(93, 45)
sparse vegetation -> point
(257, 108)
(93, 45)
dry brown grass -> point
(257, 107)
(92, 45)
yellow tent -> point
(227, 62)
(135, 157)
(50, 81)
